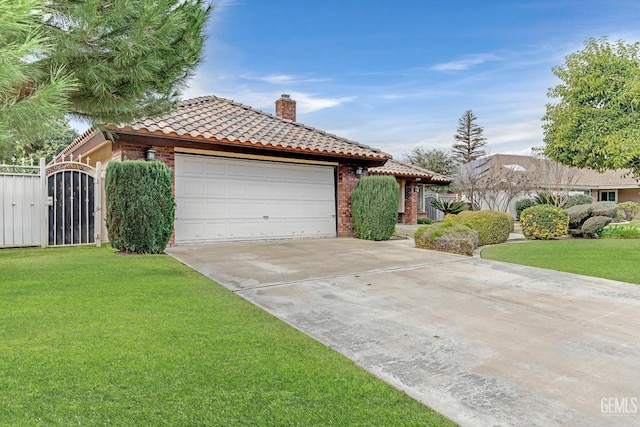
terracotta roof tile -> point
(211, 117)
(400, 169)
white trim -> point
(182, 150)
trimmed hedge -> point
(492, 226)
(448, 236)
(592, 227)
(629, 210)
(139, 206)
(374, 207)
(544, 222)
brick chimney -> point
(286, 108)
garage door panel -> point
(219, 199)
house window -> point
(608, 196)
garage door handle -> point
(265, 217)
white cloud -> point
(466, 62)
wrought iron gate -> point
(74, 200)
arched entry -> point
(73, 190)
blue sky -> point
(398, 74)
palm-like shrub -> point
(374, 207)
(449, 206)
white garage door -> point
(222, 199)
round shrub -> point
(629, 210)
(609, 209)
(579, 199)
(592, 227)
(139, 206)
(448, 236)
(424, 221)
(544, 222)
(492, 226)
(523, 204)
(374, 207)
(578, 214)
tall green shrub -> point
(493, 227)
(544, 222)
(374, 207)
(139, 206)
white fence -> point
(34, 200)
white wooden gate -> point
(52, 205)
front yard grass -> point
(606, 258)
(90, 337)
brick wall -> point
(410, 204)
(347, 180)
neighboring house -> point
(508, 178)
(241, 173)
(415, 183)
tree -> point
(46, 148)
(470, 139)
(98, 61)
(33, 99)
(435, 160)
(488, 183)
(596, 120)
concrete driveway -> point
(482, 342)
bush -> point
(619, 232)
(448, 236)
(424, 221)
(449, 206)
(629, 210)
(578, 215)
(592, 227)
(579, 199)
(374, 207)
(492, 226)
(523, 204)
(609, 209)
(139, 206)
(544, 222)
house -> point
(504, 179)
(415, 183)
(241, 173)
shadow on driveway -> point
(482, 342)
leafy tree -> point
(435, 160)
(97, 61)
(596, 120)
(470, 139)
(46, 147)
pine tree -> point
(33, 99)
(470, 139)
(98, 61)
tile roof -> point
(400, 169)
(580, 178)
(224, 120)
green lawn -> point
(610, 259)
(90, 337)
